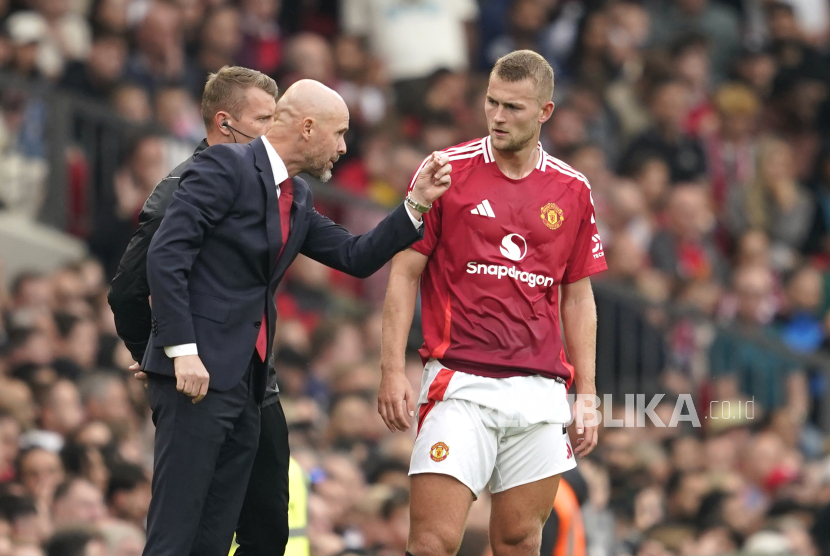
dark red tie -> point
(286, 198)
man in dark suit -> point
(238, 105)
(235, 224)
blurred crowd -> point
(702, 125)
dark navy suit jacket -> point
(213, 265)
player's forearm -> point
(579, 323)
(398, 310)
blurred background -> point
(702, 125)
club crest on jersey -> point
(552, 216)
(439, 451)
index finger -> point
(401, 420)
(440, 158)
(587, 443)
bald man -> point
(238, 219)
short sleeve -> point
(432, 221)
(587, 256)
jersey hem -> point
(497, 371)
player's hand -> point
(433, 180)
(396, 402)
(191, 377)
(586, 427)
(138, 373)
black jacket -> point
(214, 265)
(129, 290)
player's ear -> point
(547, 110)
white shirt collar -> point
(277, 165)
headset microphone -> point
(232, 129)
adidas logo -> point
(484, 209)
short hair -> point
(526, 64)
(71, 542)
(125, 477)
(736, 98)
(225, 90)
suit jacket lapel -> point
(272, 208)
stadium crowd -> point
(702, 125)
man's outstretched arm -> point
(363, 255)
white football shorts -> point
(517, 442)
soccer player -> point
(516, 229)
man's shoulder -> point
(557, 173)
(223, 150)
(469, 155)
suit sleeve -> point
(362, 255)
(206, 193)
(129, 291)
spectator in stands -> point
(176, 110)
(62, 411)
(109, 16)
(309, 56)
(128, 494)
(78, 502)
(710, 19)
(76, 542)
(40, 471)
(396, 37)
(760, 370)
(77, 347)
(160, 59)
(144, 165)
(104, 397)
(123, 539)
(800, 323)
(68, 37)
(132, 103)
(97, 76)
(564, 131)
(220, 43)
(756, 69)
(684, 249)
(732, 148)
(774, 201)
(262, 41)
(361, 82)
(22, 153)
(669, 107)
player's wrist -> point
(389, 368)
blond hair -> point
(526, 64)
(225, 90)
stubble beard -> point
(514, 144)
(316, 166)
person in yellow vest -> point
(298, 544)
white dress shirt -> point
(280, 175)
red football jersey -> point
(498, 250)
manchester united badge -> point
(439, 451)
(552, 216)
